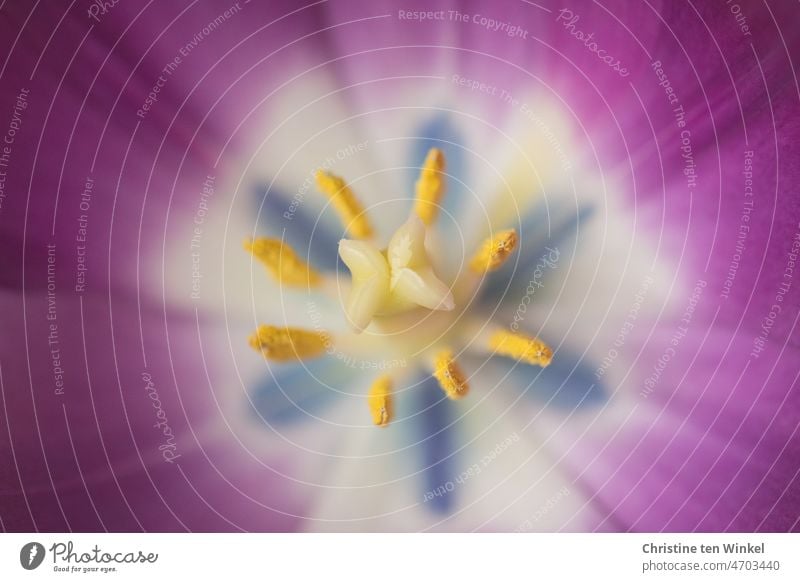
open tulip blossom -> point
(400, 266)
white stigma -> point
(399, 280)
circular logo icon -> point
(31, 555)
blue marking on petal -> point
(293, 391)
(434, 443)
(568, 383)
(436, 133)
(322, 249)
(534, 242)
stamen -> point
(430, 186)
(450, 376)
(350, 211)
(288, 344)
(523, 348)
(380, 402)
(494, 251)
(282, 262)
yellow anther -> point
(379, 401)
(287, 344)
(450, 376)
(494, 251)
(282, 262)
(346, 204)
(430, 186)
(530, 350)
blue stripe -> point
(322, 249)
(434, 441)
(294, 390)
(568, 383)
(513, 277)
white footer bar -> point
(401, 557)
